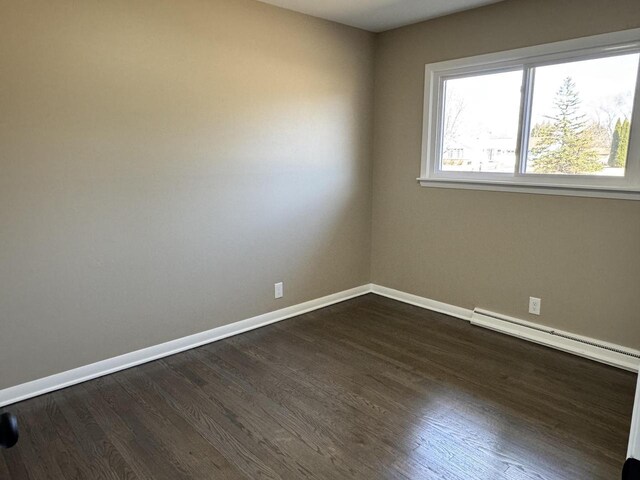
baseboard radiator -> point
(597, 350)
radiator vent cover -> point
(593, 349)
(595, 343)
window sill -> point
(577, 191)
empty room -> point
(320, 239)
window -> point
(555, 118)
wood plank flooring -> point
(366, 389)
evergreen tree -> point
(615, 144)
(564, 144)
(625, 130)
(620, 143)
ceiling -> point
(378, 15)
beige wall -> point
(163, 163)
(492, 249)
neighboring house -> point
(485, 154)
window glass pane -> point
(581, 117)
(480, 123)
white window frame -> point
(598, 46)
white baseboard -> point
(527, 331)
(105, 367)
(111, 365)
(434, 305)
(598, 350)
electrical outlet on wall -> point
(534, 305)
(279, 290)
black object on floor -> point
(631, 470)
(8, 430)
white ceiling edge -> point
(378, 15)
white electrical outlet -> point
(279, 290)
(534, 305)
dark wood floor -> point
(368, 388)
